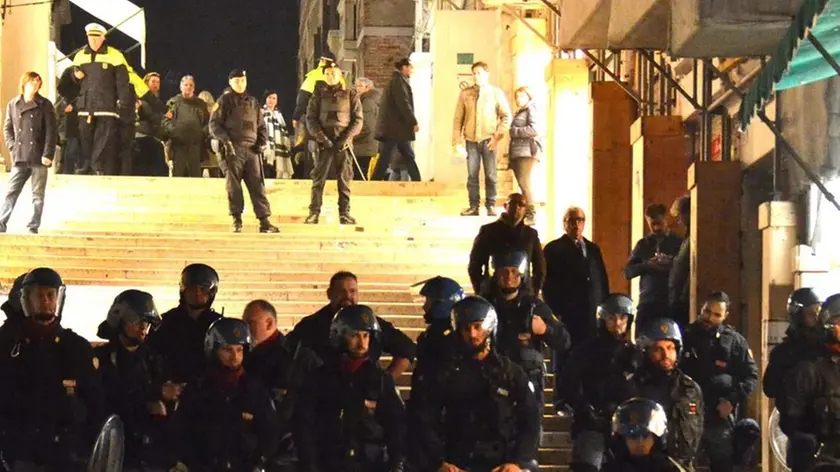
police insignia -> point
(96, 363)
(247, 416)
(664, 328)
(236, 333)
(634, 418)
(215, 107)
(749, 352)
(365, 318)
(692, 408)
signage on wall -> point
(466, 58)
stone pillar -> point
(569, 147)
(659, 170)
(613, 112)
(715, 233)
(777, 223)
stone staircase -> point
(107, 234)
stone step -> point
(301, 265)
(250, 225)
(279, 254)
(349, 241)
(173, 274)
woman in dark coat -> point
(526, 146)
(31, 134)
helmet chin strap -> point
(508, 290)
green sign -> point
(466, 58)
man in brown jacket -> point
(482, 116)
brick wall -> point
(380, 53)
(388, 12)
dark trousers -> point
(364, 163)
(70, 156)
(522, 167)
(245, 165)
(186, 159)
(100, 142)
(18, 177)
(386, 153)
(478, 154)
(342, 164)
(717, 441)
(126, 150)
(148, 159)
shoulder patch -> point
(750, 353)
(215, 107)
(95, 363)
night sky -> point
(208, 38)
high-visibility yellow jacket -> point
(106, 89)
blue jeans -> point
(19, 175)
(478, 153)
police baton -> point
(356, 161)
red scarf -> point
(38, 332)
(350, 365)
(224, 377)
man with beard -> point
(352, 418)
(660, 380)
(805, 341)
(313, 331)
(130, 376)
(51, 404)
(227, 417)
(720, 360)
(283, 368)
(639, 429)
(596, 380)
(180, 338)
(526, 324)
(481, 414)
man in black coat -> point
(575, 283)
(30, 133)
(508, 232)
(397, 124)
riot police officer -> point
(804, 340)
(281, 366)
(131, 374)
(719, 359)
(11, 307)
(595, 380)
(180, 337)
(639, 431)
(526, 324)
(660, 380)
(351, 416)
(51, 403)
(490, 421)
(812, 409)
(237, 123)
(227, 417)
(434, 345)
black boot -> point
(237, 224)
(267, 227)
(491, 211)
(346, 219)
(312, 219)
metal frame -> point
(780, 139)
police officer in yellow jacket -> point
(105, 96)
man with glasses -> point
(575, 284)
(508, 232)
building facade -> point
(366, 36)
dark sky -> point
(208, 38)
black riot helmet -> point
(351, 319)
(800, 299)
(658, 330)
(746, 442)
(42, 310)
(202, 276)
(617, 304)
(130, 306)
(442, 294)
(830, 315)
(640, 417)
(512, 258)
(226, 332)
(12, 306)
(474, 309)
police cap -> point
(236, 73)
(95, 29)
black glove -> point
(340, 144)
(230, 151)
(398, 466)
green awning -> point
(796, 61)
